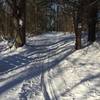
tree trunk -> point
(21, 25)
(77, 31)
(91, 31)
(92, 13)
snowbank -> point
(48, 68)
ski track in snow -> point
(48, 68)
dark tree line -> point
(27, 15)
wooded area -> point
(21, 17)
(49, 49)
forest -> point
(49, 49)
(19, 18)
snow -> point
(48, 68)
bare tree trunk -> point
(91, 31)
(77, 31)
(24, 23)
(92, 23)
(21, 25)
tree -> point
(77, 29)
(92, 15)
(17, 9)
(76, 9)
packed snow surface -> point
(48, 68)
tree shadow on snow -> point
(87, 78)
(37, 69)
(12, 62)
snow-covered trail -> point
(39, 56)
(48, 68)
